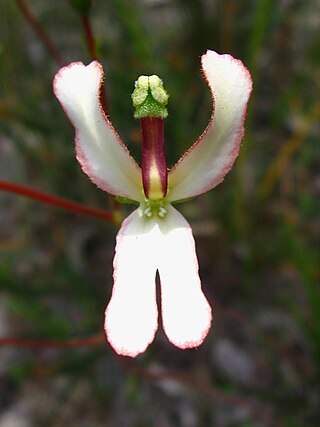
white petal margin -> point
(100, 151)
(132, 315)
(186, 314)
(211, 157)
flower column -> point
(150, 99)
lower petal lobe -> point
(186, 314)
(132, 317)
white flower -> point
(156, 237)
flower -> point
(155, 237)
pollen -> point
(148, 212)
(154, 208)
(162, 212)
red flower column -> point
(150, 99)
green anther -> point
(150, 98)
(140, 92)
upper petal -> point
(211, 157)
(132, 316)
(186, 314)
(100, 151)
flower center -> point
(152, 208)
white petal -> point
(100, 151)
(186, 314)
(132, 315)
(211, 157)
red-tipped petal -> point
(100, 151)
(211, 157)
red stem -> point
(93, 52)
(57, 201)
(72, 343)
(88, 32)
(92, 49)
(40, 31)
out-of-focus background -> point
(257, 234)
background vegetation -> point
(257, 234)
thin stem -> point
(93, 53)
(40, 32)
(57, 201)
(90, 40)
(72, 343)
